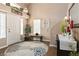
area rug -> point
(27, 48)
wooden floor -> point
(52, 51)
(2, 51)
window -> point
(36, 25)
(21, 26)
(2, 25)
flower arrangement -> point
(16, 10)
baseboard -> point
(47, 40)
(53, 45)
(3, 46)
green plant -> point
(73, 53)
(62, 29)
(21, 9)
(28, 29)
(16, 10)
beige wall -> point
(52, 12)
(75, 17)
(74, 13)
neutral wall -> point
(75, 17)
(52, 12)
(74, 13)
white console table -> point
(65, 44)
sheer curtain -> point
(36, 26)
(2, 25)
(21, 26)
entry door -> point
(13, 28)
(3, 40)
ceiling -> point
(24, 5)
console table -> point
(37, 36)
(31, 38)
(61, 52)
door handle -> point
(9, 30)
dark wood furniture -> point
(27, 38)
(31, 37)
(37, 36)
(64, 52)
(61, 52)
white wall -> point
(75, 17)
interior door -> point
(13, 28)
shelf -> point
(76, 25)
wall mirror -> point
(74, 13)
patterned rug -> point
(27, 48)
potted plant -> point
(73, 53)
(27, 30)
